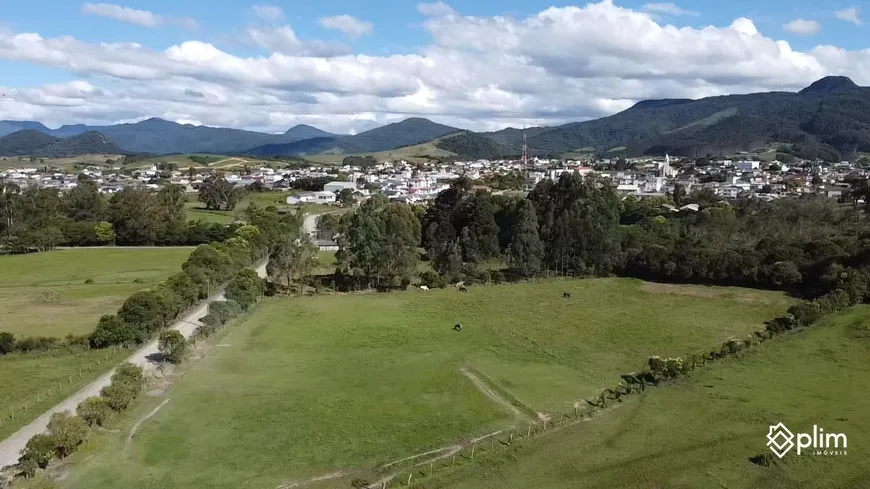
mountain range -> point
(829, 119)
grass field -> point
(309, 386)
(700, 432)
(196, 210)
(45, 294)
(32, 384)
(67, 164)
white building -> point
(311, 198)
(336, 187)
(746, 165)
(729, 192)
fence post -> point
(511, 438)
(431, 467)
(472, 450)
(409, 477)
(529, 434)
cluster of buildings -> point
(414, 182)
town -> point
(642, 177)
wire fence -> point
(57, 391)
(659, 370)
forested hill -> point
(37, 143)
(396, 135)
(472, 146)
(829, 119)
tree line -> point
(39, 219)
(580, 226)
(148, 312)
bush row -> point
(30, 344)
(66, 432)
(243, 291)
(148, 311)
(802, 314)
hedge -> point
(67, 432)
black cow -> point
(566, 295)
(458, 327)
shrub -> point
(94, 410)
(245, 288)
(806, 313)
(68, 432)
(432, 279)
(36, 343)
(129, 374)
(38, 453)
(89, 281)
(225, 310)
(79, 341)
(173, 346)
(7, 343)
(111, 330)
(118, 396)
(145, 310)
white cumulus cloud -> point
(851, 14)
(143, 18)
(129, 15)
(350, 25)
(803, 27)
(271, 13)
(476, 72)
(668, 8)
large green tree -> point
(135, 216)
(526, 251)
(219, 194)
(172, 345)
(84, 201)
(292, 261)
(378, 242)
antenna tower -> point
(525, 151)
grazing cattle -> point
(463, 289)
(458, 327)
(423, 287)
(566, 295)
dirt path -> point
(492, 395)
(139, 423)
(333, 475)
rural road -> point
(11, 447)
(310, 224)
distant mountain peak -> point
(829, 84)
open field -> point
(45, 294)
(67, 164)
(310, 386)
(32, 384)
(415, 154)
(196, 210)
(700, 432)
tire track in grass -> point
(139, 423)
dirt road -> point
(10, 448)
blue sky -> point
(445, 73)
